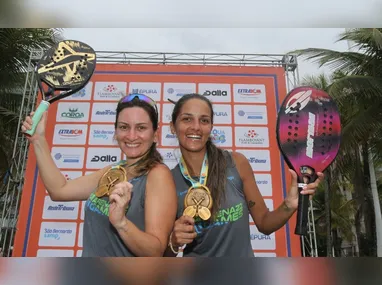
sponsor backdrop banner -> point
(80, 134)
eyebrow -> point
(189, 114)
(140, 123)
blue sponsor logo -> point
(256, 160)
(218, 136)
(79, 94)
(61, 208)
(251, 115)
(221, 114)
(259, 237)
(55, 233)
(106, 113)
(67, 158)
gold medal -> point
(112, 177)
(204, 213)
(198, 199)
(190, 211)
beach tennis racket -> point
(62, 71)
(308, 135)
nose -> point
(196, 125)
(131, 134)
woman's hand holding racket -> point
(291, 199)
(40, 128)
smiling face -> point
(193, 125)
(134, 132)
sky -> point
(213, 40)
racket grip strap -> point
(44, 105)
(302, 215)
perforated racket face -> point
(67, 65)
(308, 129)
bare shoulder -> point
(239, 158)
(160, 172)
(242, 164)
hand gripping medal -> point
(198, 200)
(112, 177)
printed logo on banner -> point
(55, 253)
(68, 157)
(72, 112)
(261, 241)
(83, 95)
(216, 92)
(176, 90)
(70, 134)
(109, 91)
(251, 114)
(222, 114)
(104, 112)
(253, 93)
(151, 89)
(168, 139)
(264, 182)
(251, 136)
(100, 157)
(57, 234)
(60, 210)
(259, 159)
(102, 135)
(169, 157)
(222, 136)
(167, 111)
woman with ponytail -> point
(217, 190)
(130, 205)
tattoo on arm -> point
(251, 204)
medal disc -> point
(190, 211)
(101, 191)
(198, 202)
(204, 213)
(199, 195)
(111, 178)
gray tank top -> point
(228, 235)
(100, 238)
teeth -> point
(194, 137)
(131, 145)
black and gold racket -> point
(62, 71)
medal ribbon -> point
(203, 172)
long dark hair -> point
(217, 164)
(152, 157)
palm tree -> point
(15, 49)
(341, 219)
(358, 94)
(331, 188)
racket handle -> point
(44, 105)
(302, 213)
